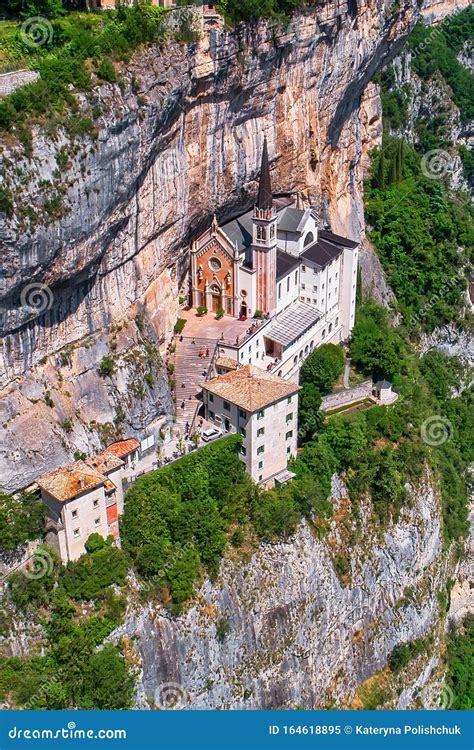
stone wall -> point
(347, 396)
(9, 82)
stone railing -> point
(10, 82)
(348, 396)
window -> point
(211, 397)
(289, 417)
(303, 268)
(97, 522)
(212, 415)
(243, 450)
(335, 277)
(289, 435)
(289, 399)
(260, 464)
(260, 431)
(315, 301)
(279, 291)
(323, 333)
(241, 355)
(74, 512)
(303, 286)
(296, 278)
(272, 230)
(329, 280)
(315, 288)
(76, 532)
(260, 477)
(308, 239)
(260, 414)
(322, 287)
(337, 321)
(288, 284)
(242, 431)
(96, 503)
(295, 360)
(260, 450)
(288, 450)
(242, 414)
(226, 405)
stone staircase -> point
(190, 373)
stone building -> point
(263, 409)
(83, 498)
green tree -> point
(323, 367)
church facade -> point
(277, 265)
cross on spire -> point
(264, 197)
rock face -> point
(101, 225)
(294, 635)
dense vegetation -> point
(445, 82)
(77, 47)
(460, 658)
(21, 519)
(319, 373)
(422, 237)
(78, 608)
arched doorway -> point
(216, 297)
(243, 309)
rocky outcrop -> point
(101, 224)
(284, 630)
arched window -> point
(261, 233)
(330, 327)
(295, 360)
(308, 239)
(306, 349)
(337, 321)
(323, 333)
(272, 230)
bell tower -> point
(264, 240)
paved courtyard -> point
(207, 327)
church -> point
(276, 265)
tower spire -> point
(264, 197)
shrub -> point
(21, 518)
(323, 367)
(220, 313)
(258, 314)
(179, 325)
(90, 575)
(201, 310)
(106, 367)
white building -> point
(263, 409)
(83, 498)
(275, 262)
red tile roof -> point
(123, 448)
(70, 481)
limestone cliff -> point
(107, 232)
(297, 634)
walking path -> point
(190, 371)
(347, 372)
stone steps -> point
(190, 373)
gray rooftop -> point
(290, 219)
(293, 323)
(239, 230)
